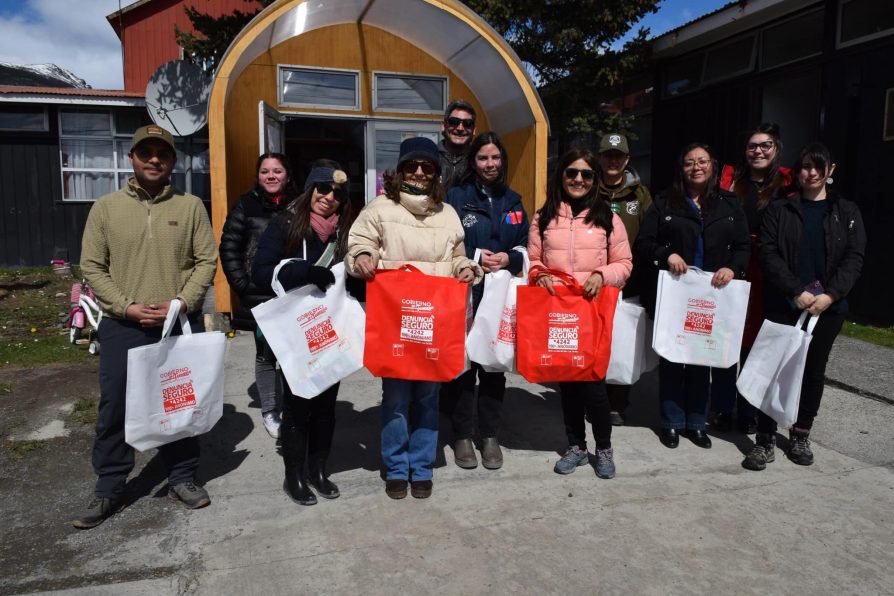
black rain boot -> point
(317, 479)
(294, 445)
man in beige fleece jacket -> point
(144, 246)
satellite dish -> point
(177, 97)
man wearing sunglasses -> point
(458, 130)
(144, 247)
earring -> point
(829, 180)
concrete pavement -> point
(684, 521)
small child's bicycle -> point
(83, 310)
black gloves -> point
(320, 277)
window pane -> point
(126, 123)
(201, 186)
(792, 40)
(861, 18)
(319, 88)
(728, 60)
(684, 75)
(93, 124)
(23, 118)
(122, 148)
(409, 93)
(86, 185)
(87, 154)
(122, 180)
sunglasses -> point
(765, 146)
(147, 153)
(324, 188)
(453, 121)
(572, 173)
(410, 167)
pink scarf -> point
(324, 226)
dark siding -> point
(36, 225)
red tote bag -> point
(415, 325)
(565, 337)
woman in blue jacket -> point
(319, 219)
(495, 223)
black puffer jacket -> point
(238, 243)
(779, 243)
(667, 229)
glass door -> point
(271, 129)
(383, 147)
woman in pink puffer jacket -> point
(576, 232)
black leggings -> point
(581, 398)
(824, 334)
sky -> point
(82, 41)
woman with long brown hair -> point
(313, 230)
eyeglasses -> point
(453, 122)
(410, 167)
(701, 163)
(324, 188)
(147, 153)
(572, 174)
(765, 146)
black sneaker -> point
(97, 511)
(763, 452)
(190, 494)
(799, 447)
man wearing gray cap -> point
(144, 246)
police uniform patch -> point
(632, 207)
(469, 220)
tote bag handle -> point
(174, 313)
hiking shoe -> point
(763, 452)
(605, 463)
(574, 457)
(272, 422)
(464, 454)
(421, 489)
(396, 489)
(190, 494)
(799, 447)
(97, 511)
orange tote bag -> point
(565, 337)
(415, 325)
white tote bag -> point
(696, 323)
(632, 353)
(317, 337)
(492, 338)
(771, 377)
(174, 387)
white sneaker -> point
(271, 424)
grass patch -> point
(34, 303)
(880, 336)
(19, 449)
(86, 411)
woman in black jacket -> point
(811, 253)
(319, 219)
(248, 219)
(495, 222)
(694, 223)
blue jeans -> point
(683, 391)
(409, 446)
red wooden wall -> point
(147, 33)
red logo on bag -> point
(177, 397)
(417, 321)
(432, 353)
(546, 359)
(563, 332)
(508, 326)
(577, 360)
(699, 322)
(320, 335)
(397, 349)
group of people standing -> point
(447, 209)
